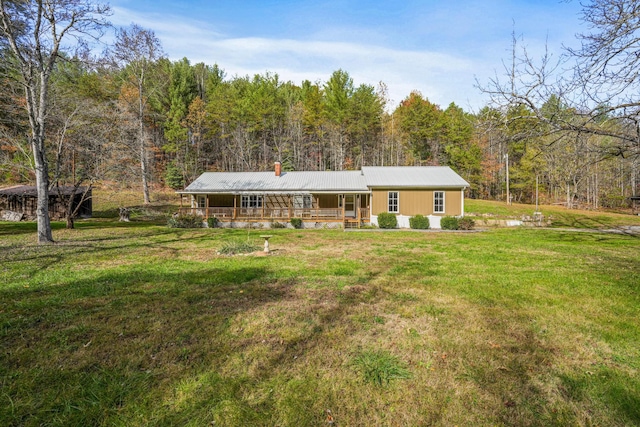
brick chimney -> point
(278, 167)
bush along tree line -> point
(136, 118)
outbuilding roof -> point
(32, 191)
(328, 181)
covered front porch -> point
(351, 209)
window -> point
(202, 201)
(251, 201)
(394, 202)
(302, 201)
(438, 201)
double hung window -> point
(438, 201)
(394, 202)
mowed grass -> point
(560, 217)
(140, 325)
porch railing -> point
(273, 214)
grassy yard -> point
(140, 325)
(561, 217)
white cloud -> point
(441, 77)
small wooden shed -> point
(23, 199)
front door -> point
(350, 205)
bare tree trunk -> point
(42, 186)
(141, 136)
(36, 106)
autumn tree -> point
(135, 51)
(15, 158)
(81, 121)
(36, 32)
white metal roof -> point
(328, 181)
(239, 182)
(412, 176)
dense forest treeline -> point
(138, 119)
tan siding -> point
(221, 200)
(327, 201)
(379, 201)
(453, 203)
(413, 202)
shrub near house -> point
(387, 220)
(419, 222)
(449, 223)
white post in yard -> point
(266, 243)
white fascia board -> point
(418, 187)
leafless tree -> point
(136, 49)
(598, 82)
(34, 31)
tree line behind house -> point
(136, 118)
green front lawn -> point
(137, 325)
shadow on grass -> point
(24, 227)
(40, 258)
(620, 392)
(31, 227)
(517, 359)
(105, 348)
(596, 223)
(77, 353)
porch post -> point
(358, 209)
(343, 206)
(206, 206)
(289, 207)
(235, 205)
(264, 202)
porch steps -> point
(351, 223)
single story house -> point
(23, 200)
(327, 198)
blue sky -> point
(436, 47)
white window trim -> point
(434, 202)
(202, 199)
(245, 201)
(302, 201)
(397, 193)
